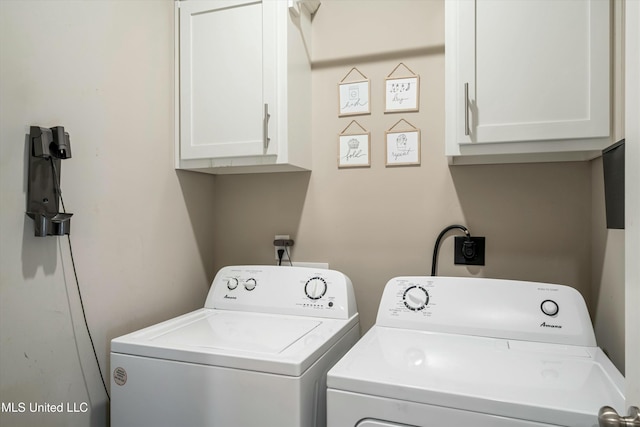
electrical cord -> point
(434, 261)
(282, 246)
(75, 274)
(281, 253)
(288, 256)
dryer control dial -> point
(250, 284)
(315, 288)
(415, 298)
(232, 283)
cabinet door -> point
(534, 70)
(227, 67)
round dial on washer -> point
(250, 284)
(415, 298)
(232, 283)
(315, 288)
(549, 307)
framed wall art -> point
(402, 94)
(402, 146)
(354, 147)
(354, 95)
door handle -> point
(265, 128)
(466, 109)
(608, 417)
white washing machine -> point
(474, 352)
(257, 354)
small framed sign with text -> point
(402, 94)
(354, 147)
(403, 147)
(353, 96)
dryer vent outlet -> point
(469, 251)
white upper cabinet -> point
(527, 80)
(243, 86)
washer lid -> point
(235, 331)
(541, 382)
(278, 344)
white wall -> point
(608, 246)
(632, 201)
(140, 231)
(607, 270)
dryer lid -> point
(550, 383)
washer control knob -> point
(315, 288)
(549, 307)
(250, 284)
(232, 283)
(415, 298)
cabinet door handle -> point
(265, 127)
(466, 109)
(608, 417)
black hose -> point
(434, 261)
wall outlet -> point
(287, 250)
(469, 253)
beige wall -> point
(140, 233)
(148, 240)
(377, 223)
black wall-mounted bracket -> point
(47, 146)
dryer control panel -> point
(283, 290)
(509, 309)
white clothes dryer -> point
(475, 352)
(257, 354)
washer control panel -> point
(415, 298)
(527, 311)
(283, 290)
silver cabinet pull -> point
(265, 126)
(608, 417)
(466, 109)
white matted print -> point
(403, 148)
(353, 150)
(354, 98)
(402, 94)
